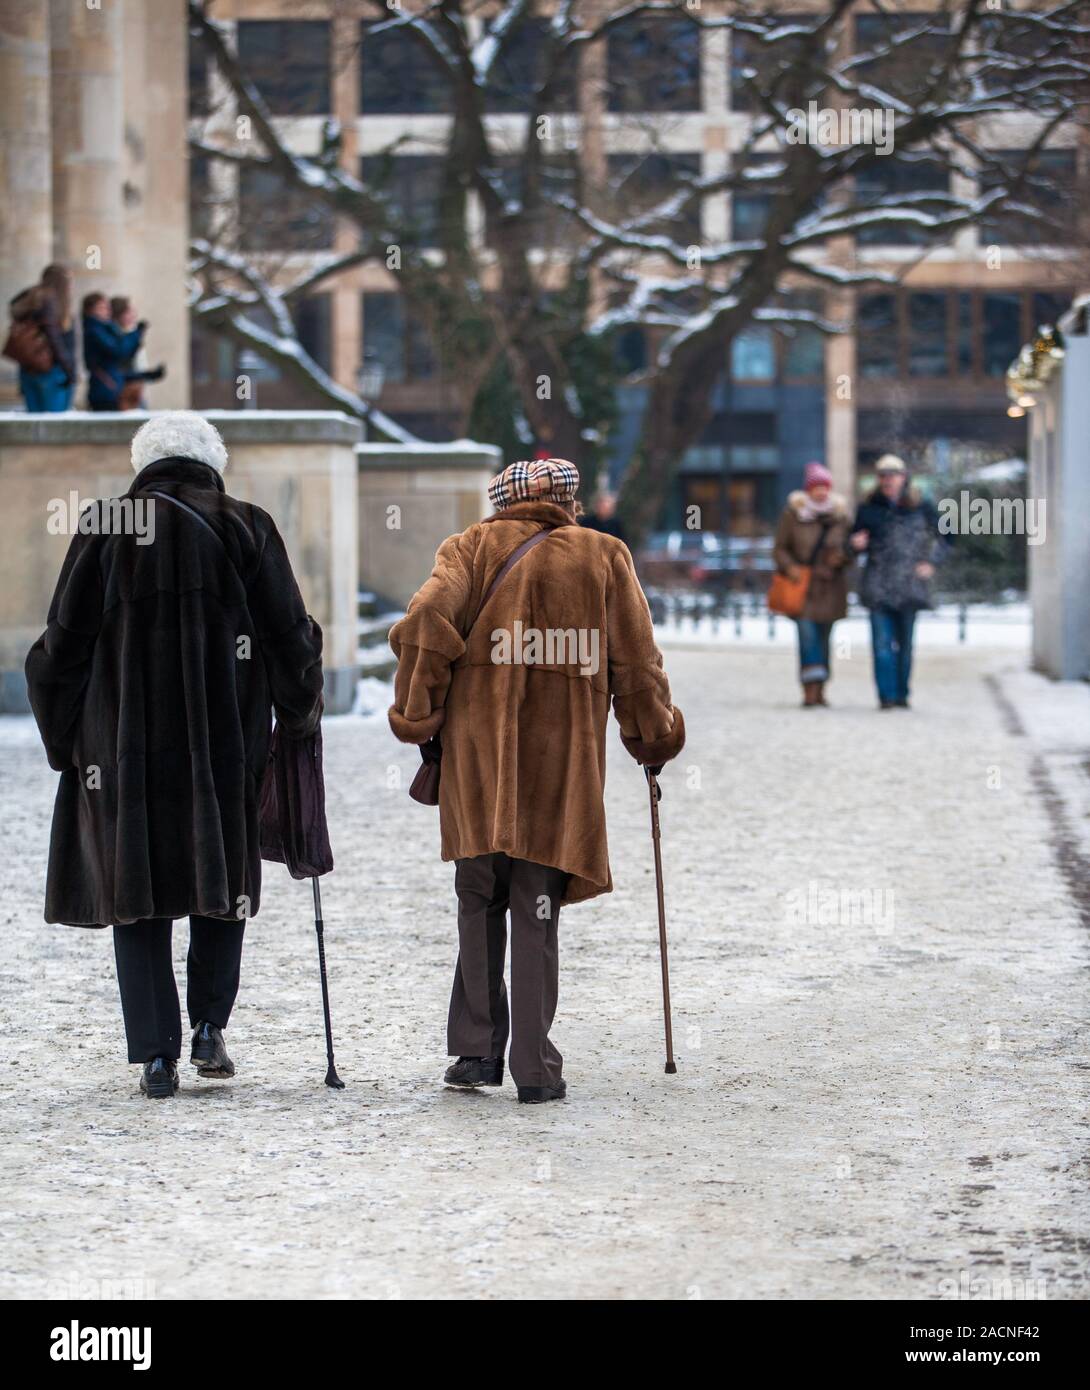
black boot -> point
(209, 1055)
(536, 1095)
(159, 1078)
(468, 1072)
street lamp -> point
(370, 378)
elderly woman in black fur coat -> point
(169, 646)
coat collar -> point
(178, 470)
(550, 512)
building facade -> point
(921, 374)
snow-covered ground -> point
(879, 959)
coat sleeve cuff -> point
(416, 730)
(659, 750)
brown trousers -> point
(480, 1022)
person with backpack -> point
(508, 659)
(109, 349)
(153, 686)
(42, 342)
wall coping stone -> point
(236, 426)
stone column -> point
(156, 190)
(88, 173)
(26, 176)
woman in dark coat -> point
(897, 530)
(172, 636)
(812, 530)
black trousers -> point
(480, 1021)
(149, 994)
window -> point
(412, 183)
(397, 76)
(1002, 331)
(909, 67)
(1046, 307)
(313, 324)
(276, 217)
(288, 62)
(630, 350)
(654, 64)
(1050, 182)
(749, 211)
(892, 182)
(964, 335)
(640, 181)
(753, 355)
(926, 334)
(399, 341)
(876, 345)
(772, 60)
(520, 70)
(559, 175)
(803, 352)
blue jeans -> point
(891, 632)
(813, 650)
(45, 393)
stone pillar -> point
(26, 175)
(88, 173)
(155, 190)
(410, 500)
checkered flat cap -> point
(539, 480)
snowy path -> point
(876, 1108)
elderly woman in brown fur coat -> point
(516, 677)
(813, 531)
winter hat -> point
(890, 463)
(816, 475)
(178, 434)
(546, 480)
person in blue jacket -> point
(108, 352)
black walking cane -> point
(656, 796)
(331, 1077)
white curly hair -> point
(178, 434)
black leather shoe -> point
(468, 1072)
(159, 1078)
(536, 1095)
(209, 1055)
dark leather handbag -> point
(425, 785)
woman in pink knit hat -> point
(813, 531)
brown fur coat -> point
(524, 745)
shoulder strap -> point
(510, 563)
(826, 527)
(185, 507)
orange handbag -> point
(787, 596)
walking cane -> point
(656, 796)
(331, 1077)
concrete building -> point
(923, 374)
(93, 168)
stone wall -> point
(411, 498)
(299, 466)
(1059, 569)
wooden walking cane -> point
(331, 1077)
(656, 795)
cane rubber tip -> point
(671, 1069)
